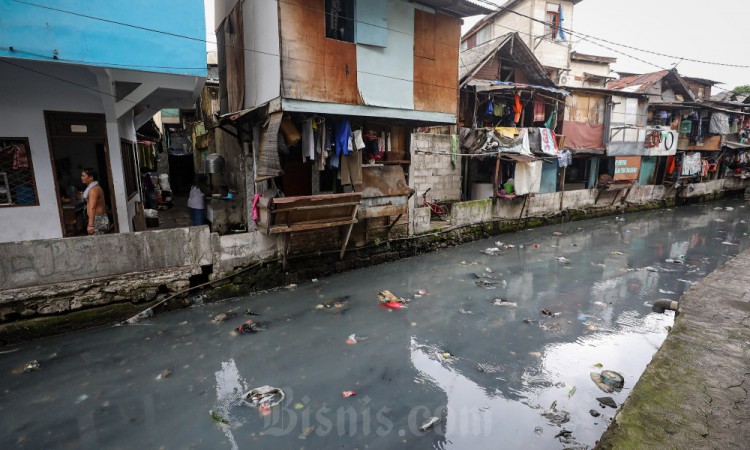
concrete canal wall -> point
(694, 393)
(56, 285)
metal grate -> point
(17, 186)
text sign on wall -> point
(627, 167)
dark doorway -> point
(78, 141)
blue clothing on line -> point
(342, 133)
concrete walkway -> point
(694, 394)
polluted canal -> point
(497, 343)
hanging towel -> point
(517, 108)
(538, 109)
(308, 141)
(256, 214)
(551, 123)
(359, 143)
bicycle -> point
(436, 208)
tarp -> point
(268, 163)
(583, 135)
(528, 177)
(719, 123)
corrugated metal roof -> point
(638, 83)
(457, 8)
(473, 59)
(486, 85)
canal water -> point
(488, 373)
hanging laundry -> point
(517, 108)
(490, 109)
(549, 141)
(342, 138)
(691, 164)
(351, 168)
(539, 109)
(551, 123)
(291, 134)
(509, 132)
(528, 177)
(565, 159)
(499, 108)
(719, 123)
(308, 141)
(359, 143)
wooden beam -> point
(496, 180)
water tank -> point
(214, 163)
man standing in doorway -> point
(96, 210)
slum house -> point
(541, 25)
(658, 138)
(508, 117)
(735, 154)
(328, 125)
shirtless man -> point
(96, 210)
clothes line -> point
(428, 152)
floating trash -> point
(32, 366)
(465, 311)
(429, 423)
(594, 413)
(608, 381)
(223, 317)
(503, 302)
(539, 431)
(607, 401)
(217, 418)
(352, 339)
(563, 259)
(347, 394)
(491, 251)
(264, 397)
(486, 284)
(556, 417)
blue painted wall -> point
(549, 177)
(35, 33)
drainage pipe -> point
(660, 306)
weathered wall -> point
(436, 42)
(261, 38)
(701, 189)
(237, 250)
(434, 171)
(313, 66)
(54, 261)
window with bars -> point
(17, 185)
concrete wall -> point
(434, 170)
(54, 261)
(237, 250)
(701, 189)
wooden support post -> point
(496, 181)
(348, 233)
(523, 208)
(562, 193)
(390, 227)
(617, 194)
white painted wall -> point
(395, 87)
(25, 96)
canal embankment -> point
(694, 393)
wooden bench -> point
(287, 215)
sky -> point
(714, 32)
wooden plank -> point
(308, 226)
(436, 79)
(382, 211)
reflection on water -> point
(487, 371)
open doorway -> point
(78, 141)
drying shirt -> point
(196, 200)
(342, 134)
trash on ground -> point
(250, 312)
(249, 327)
(217, 418)
(465, 311)
(352, 339)
(608, 380)
(223, 317)
(563, 259)
(348, 394)
(594, 413)
(32, 366)
(264, 396)
(503, 302)
(491, 251)
(429, 423)
(607, 401)
(539, 431)
(166, 373)
(572, 391)
(556, 233)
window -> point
(552, 25)
(17, 185)
(484, 34)
(129, 168)
(340, 20)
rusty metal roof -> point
(576, 56)
(643, 82)
(457, 8)
(473, 59)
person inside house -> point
(196, 201)
(96, 209)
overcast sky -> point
(714, 31)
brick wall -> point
(434, 171)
